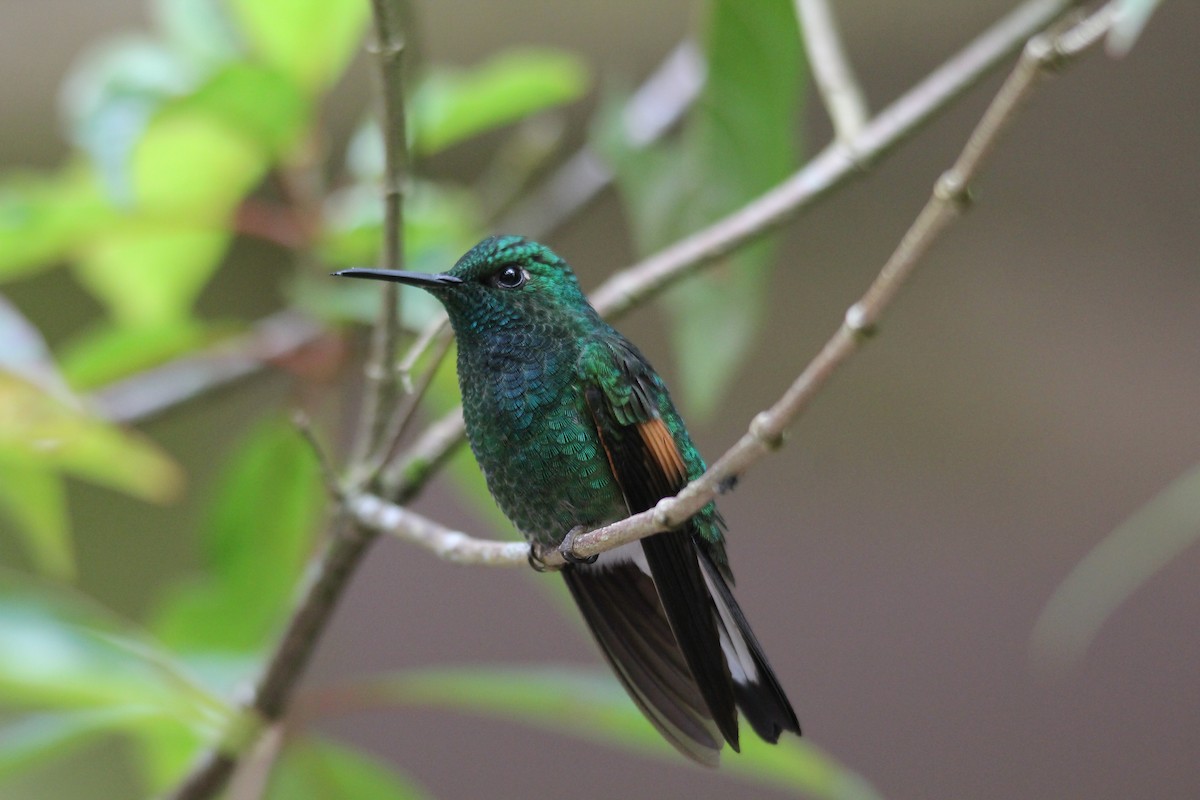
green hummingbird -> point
(574, 429)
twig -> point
(406, 411)
(155, 390)
(834, 167)
(657, 105)
(330, 570)
(831, 70)
(449, 545)
(766, 433)
(329, 475)
(382, 387)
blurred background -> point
(1030, 390)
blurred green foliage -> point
(173, 135)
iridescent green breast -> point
(529, 428)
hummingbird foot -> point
(537, 558)
(567, 547)
(539, 552)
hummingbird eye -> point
(509, 277)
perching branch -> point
(766, 432)
(831, 169)
(831, 70)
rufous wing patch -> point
(660, 445)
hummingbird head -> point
(502, 283)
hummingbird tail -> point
(759, 695)
(621, 606)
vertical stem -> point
(831, 69)
(330, 571)
(382, 380)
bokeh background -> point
(1035, 385)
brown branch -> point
(830, 69)
(382, 380)
(329, 572)
(155, 390)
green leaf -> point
(449, 107)
(110, 97)
(165, 749)
(107, 353)
(42, 737)
(313, 769)
(593, 707)
(48, 432)
(148, 274)
(56, 651)
(33, 496)
(256, 102)
(739, 141)
(256, 537)
(310, 41)
(191, 166)
(1113, 570)
(43, 218)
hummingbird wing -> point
(689, 572)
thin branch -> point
(330, 571)
(382, 383)
(405, 412)
(656, 107)
(831, 169)
(329, 475)
(448, 545)
(766, 432)
(831, 70)
(155, 390)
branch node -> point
(663, 516)
(860, 322)
(242, 731)
(762, 428)
(952, 188)
(1043, 51)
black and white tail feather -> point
(693, 707)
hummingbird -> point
(574, 429)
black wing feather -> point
(671, 628)
(672, 561)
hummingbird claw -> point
(568, 544)
(537, 558)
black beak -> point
(424, 280)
